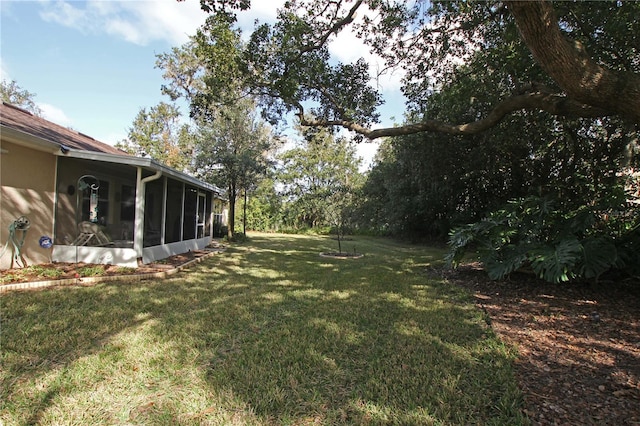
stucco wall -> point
(28, 180)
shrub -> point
(558, 246)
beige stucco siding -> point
(28, 181)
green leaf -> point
(555, 263)
(504, 261)
(600, 255)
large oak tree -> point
(588, 54)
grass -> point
(266, 333)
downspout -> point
(138, 231)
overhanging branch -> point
(552, 103)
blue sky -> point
(91, 64)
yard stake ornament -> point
(20, 224)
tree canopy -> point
(13, 94)
(158, 133)
(585, 57)
(317, 179)
(230, 141)
(231, 151)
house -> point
(67, 197)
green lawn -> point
(267, 333)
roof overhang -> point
(145, 163)
(26, 139)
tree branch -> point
(550, 102)
(334, 29)
(569, 65)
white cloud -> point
(168, 20)
(54, 114)
(65, 14)
(144, 21)
(367, 152)
(139, 22)
(125, 30)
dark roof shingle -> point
(24, 121)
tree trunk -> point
(232, 211)
(569, 65)
(244, 214)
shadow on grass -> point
(269, 333)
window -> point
(153, 213)
(202, 214)
(218, 218)
(207, 224)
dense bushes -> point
(531, 233)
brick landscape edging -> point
(94, 280)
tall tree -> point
(567, 74)
(231, 151)
(586, 54)
(232, 143)
(13, 94)
(157, 133)
(265, 206)
(317, 177)
(183, 70)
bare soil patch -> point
(579, 344)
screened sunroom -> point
(128, 210)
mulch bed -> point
(74, 270)
(579, 344)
